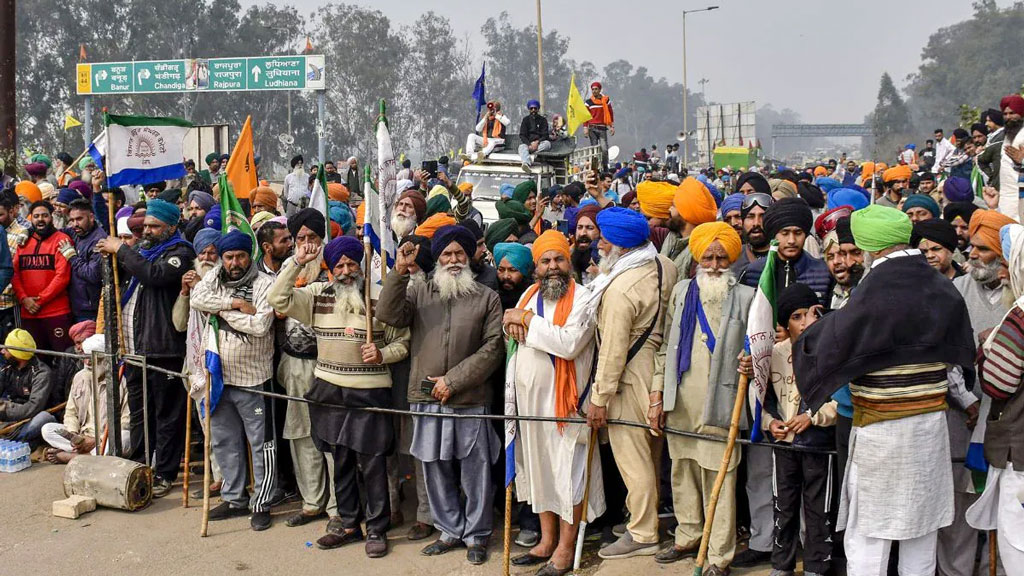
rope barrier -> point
(133, 359)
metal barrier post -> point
(95, 402)
(145, 410)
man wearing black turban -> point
(937, 240)
(308, 218)
(788, 221)
(959, 215)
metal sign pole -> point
(321, 145)
(88, 121)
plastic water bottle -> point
(24, 456)
(5, 458)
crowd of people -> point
(891, 412)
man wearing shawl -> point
(697, 369)
(549, 370)
(629, 300)
(348, 371)
(893, 345)
(193, 323)
(987, 302)
(1001, 373)
(236, 292)
(456, 345)
(147, 304)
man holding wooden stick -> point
(549, 371)
(351, 370)
(697, 370)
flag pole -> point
(367, 285)
(188, 451)
(206, 459)
(507, 540)
(709, 515)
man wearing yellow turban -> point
(692, 205)
(700, 358)
(655, 200)
(548, 366)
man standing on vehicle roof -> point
(534, 135)
(602, 120)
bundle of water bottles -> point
(14, 456)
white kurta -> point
(551, 464)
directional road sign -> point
(303, 72)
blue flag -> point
(478, 92)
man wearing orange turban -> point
(984, 231)
(549, 364)
(655, 199)
(695, 374)
(430, 225)
(894, 181)
(338, 192)
(692, 206)
(29, 191)
(263, 199)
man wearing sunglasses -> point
(755, 241)
(534, 134)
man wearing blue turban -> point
(236, 293)
(515, 272)
(630, 297)
(534, 134)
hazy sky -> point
(822, 58)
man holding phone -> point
(490, 134)
(534, 134)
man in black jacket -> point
(534, 134)
(155, 273)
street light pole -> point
(686, 111)
(540, 59)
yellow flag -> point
(576, 113)
(241, 170)
(70, 122)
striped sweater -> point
(899, 392)
(1001, 364)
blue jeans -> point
(34, 428)
(524, 151)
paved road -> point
(164, 539)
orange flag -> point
(241, 169)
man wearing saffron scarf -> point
(146, 311)
(490, 134)
(629, 298)
(696, 368)
(549, 369)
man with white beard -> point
(408, 213)
(456, 345)
(629, 297)
(349, 371)
(193, 323)
(697, 369)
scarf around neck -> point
(151, 255)
(566, 392)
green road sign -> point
(304, 72)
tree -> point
(368, 57)
(890, 122)
(975, 62)
(438, 85)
